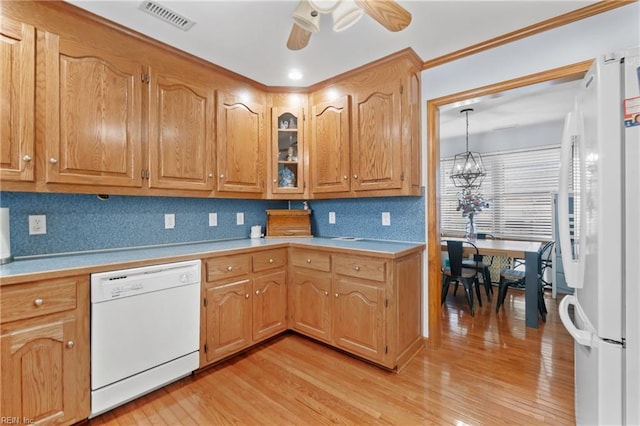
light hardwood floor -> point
(489, 370)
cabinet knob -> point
(38, 302)
(210, 175)
(70, 344)
(229, 268)
(246, 296)
(257, 292)
(270, 260)
(26, 158)
(326, 293)
(222, 176)
(275, 181)
(355, 176)
(345, 177)
(357, 268)
(53, 160)
(336, 295)
(308, 260)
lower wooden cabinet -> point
(368, 306)
(44, 347)
(245, 301)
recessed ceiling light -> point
(295, 75)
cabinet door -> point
(330, 167)
(181, 133)
(311, 303)
(269, 305)
(93, 116)
(240, 150)
(377, 139)
(39, 371)
(228, 314)
(17, 91)
(287, 151)
(359, 317)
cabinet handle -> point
(357, 268)
(257, 292)
(229, 268)
(52, 160)
(38, 302)
(246, 296)
(210, 175)
(345, 177)
(308, 260)
(70, 344)
(326, 293)
(270, 260)
(26, 158)
(222, 176)
(336, 295)
(275, 181)
(355, 176)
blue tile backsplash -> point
(77, 222)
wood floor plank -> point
(489, 370)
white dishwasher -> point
(145, 330)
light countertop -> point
(42, 267)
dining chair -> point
(512, 277)
(479, 263)
(456, 272)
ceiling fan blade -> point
(388, 13)
(298, 37)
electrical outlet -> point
(169, 221)
(37, 224)
(386, 219)
(240, 218)
(332, 218)
(213, 219)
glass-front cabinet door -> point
(287, 152)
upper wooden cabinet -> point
(93, 117)
(181, 131)
(366, 142)
(17, 91)
(287, 151)
(241, 145)
(330, 146)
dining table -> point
(516, 249)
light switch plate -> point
(213, 219)
(332, 218)
(169, 221)
(240, 218)
(386, 219)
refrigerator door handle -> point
(583, 337)
(568, 262)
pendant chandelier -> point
(468, 170)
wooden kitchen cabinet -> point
(241, 153)
(44, 345)
(287, 151)
(181, 130)
(17, 91)
(330, 146)
(310, 294)
(269, 304)
(94, 112)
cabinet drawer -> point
(368, 269)
(224, 267)
(38, 298)
(311, 260)
(269, 260)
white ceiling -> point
(249, 36)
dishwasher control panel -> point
(131, 282)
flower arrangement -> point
(470, 203)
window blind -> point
(519, 186)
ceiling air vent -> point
(166, 15)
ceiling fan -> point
(345, 13)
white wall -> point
(607, 32)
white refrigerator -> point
(601, 145)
